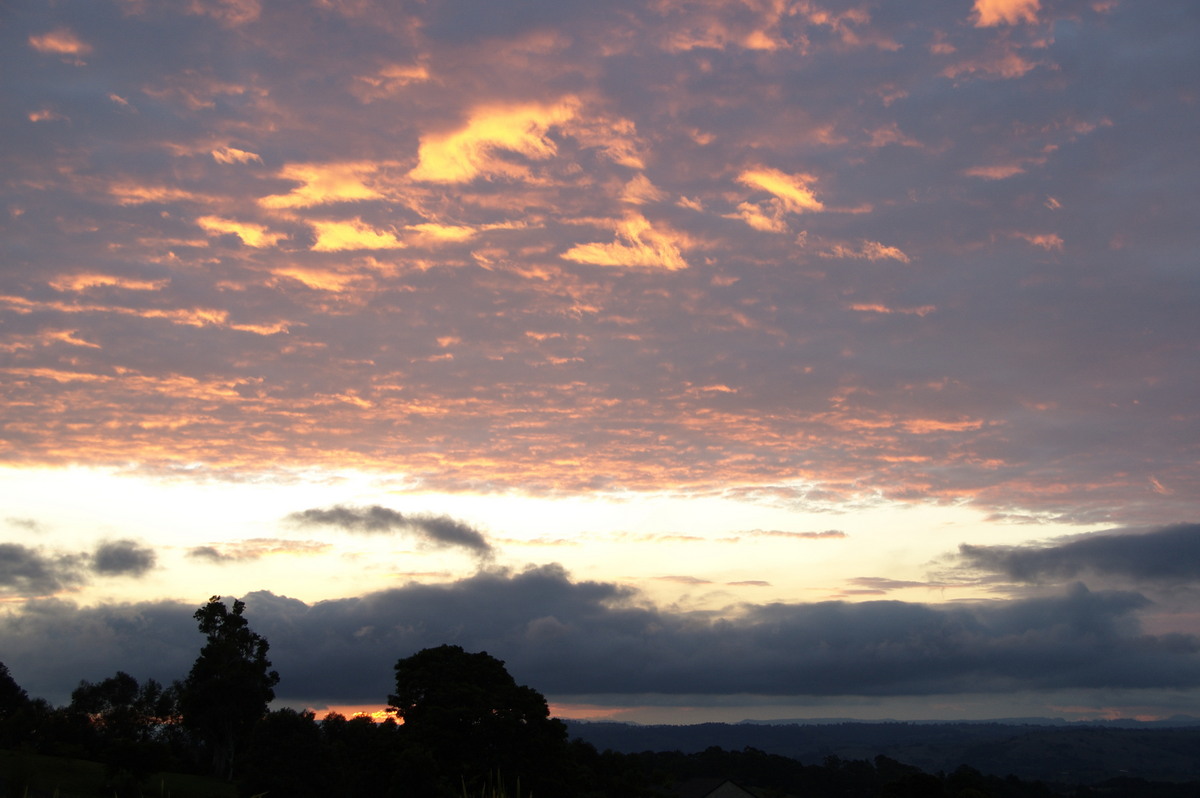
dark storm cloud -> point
(26, 571)
(438, 530)
(1170, 554)
(566, 637)
(122, 558)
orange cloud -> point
(134, 194)
(339, 236)
(923, 310)
(252, 235)
(388, 80)
(60, 41)
(1047, 241)
(996, 172)
(325, 183)
(67, 337)
(767, 216)
(1005, 12)
(640, 191)
(45, 115)
(234, 155)
(80, 282)
(794, 191)
(317, 279)
(637, 244)
(465, 154)
(433, 232)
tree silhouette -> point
(466, 713)
(230, 684)
(126, 722)
(14, 701)
(12, 696)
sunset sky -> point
(701, 359)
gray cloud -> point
(437, 530)
(571, 638)
(1169, 554)
(122, 558)
(210, 553)
(33, 571)
(26, 571)
(29, 524)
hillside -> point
(1064, 754)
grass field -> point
(26, 775)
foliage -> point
(363, 755)
(13, 702)
(230, 683)
(470, 717)
(286, 755)
(12, 696)
(128, 723)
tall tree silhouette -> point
(230, 684)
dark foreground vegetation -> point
(462, 728)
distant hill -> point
(1068, 753)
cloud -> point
(338, 236)
(1169, 554)
(995, 172)
(122, 558)
(622, 147)
(825, 534)
(795, 191)
(571, 638)
(1005, 12)
(388, 80)
(477, 148)
(211, 553)
(251, 549)
(230, 13)
(438, 530)
(28, 572)
(252, 235)
(1047, 241)
(324, 183)
(60, 41)
(638, 244)
(230, 155)
(866, 250)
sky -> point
(701, 359)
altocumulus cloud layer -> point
(830, 250)
(589, 638)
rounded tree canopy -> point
(471, 715)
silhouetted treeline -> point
(462, 727)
